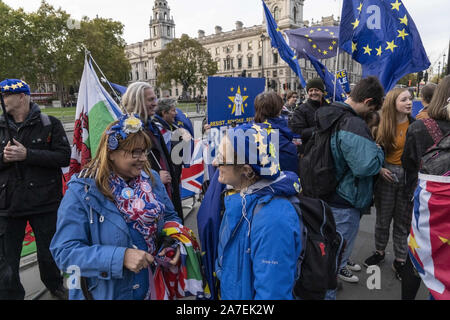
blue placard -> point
(343, 80)
(231, 100)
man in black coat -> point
(33, 149)
(303, 119)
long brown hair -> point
(387, 130)
(267, 105)
(437, 109)
(101, 167)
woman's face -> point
(404, 103)
(169, 116)
(230, 176)
(128, 165)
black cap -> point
(316, 83)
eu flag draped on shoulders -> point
(381, 35)
(328, 80)
(278, 42)
(320, 42)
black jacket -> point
(418, 141)
(303, 120)
(37, 187)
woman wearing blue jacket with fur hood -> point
(260, 234)
(110, 217)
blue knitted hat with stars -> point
(14, 86)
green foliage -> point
(47, 47)
(186, 62)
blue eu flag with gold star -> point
(320, 42)
(382, 36)
(286, 53)
(328, 79)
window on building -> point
(176, 92)
(275, 73)
(154, 32)
(295, 14)
(275, 58)
(239, 63)
(239, 47)
(259, 61)
(168, 31)
(146, 75)
(137, 75)
(276, 13)
(217, 51)
(131, 76)
(259, 74)
(250, 62)
(249, 75)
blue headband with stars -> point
(14, 86)
(128, 124)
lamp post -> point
(263, 37)
(443, 65)
(439, 71)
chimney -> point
(218, 29)
(239, 25)
(201, 34)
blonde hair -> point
(387, 130)
(101, 167)
(134, 99)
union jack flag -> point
(193, 177)
(429, 241)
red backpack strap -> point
(433, 130)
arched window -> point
(154, 32)
(295, 14)
(165, 16)
(276, 13)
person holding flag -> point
(34, 149)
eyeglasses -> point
(137, 153)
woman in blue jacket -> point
(110, 217)
(260, 233)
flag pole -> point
(87, 52)
(337, 64)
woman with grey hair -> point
(140, 99)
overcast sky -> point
(431, 16)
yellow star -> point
(379, 51)
(360, 7)
(278, 29)
(244, 98)
(20, 85)
(6, 87)
(402, 34)
(331, 48)
(413, 244)
(310, 40)
(312, 31)
(273, 169)
(314, 46)
(404, 20)
(14, 86)
(319, 29)
(232, 89)
(325, 52)
(447, 241)
(245, 89)
(396, 5)
(367, 50)
(259, 138)
(391, 46)
(332, 33)
(354, 47)
(334, 42)
(265, 160)
(307, 35)
(319, 50)
(355, 24)
(326, 30)
(257, 128)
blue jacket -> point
(356, 155)
(92, 235)
(258, 254)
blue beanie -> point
(14, 86)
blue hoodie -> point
(258, 254)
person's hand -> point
(165, 177)
(14, 153)
(185, 135)
(175, 258)
(387, 175)
(136, 260)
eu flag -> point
(381, 35)
(328, 80)
(320, 42)
(278, 42)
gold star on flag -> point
(360, 7)
(402, 34)
(391, 46)
(258, 138)
(314, 46)
(278, 29)
(273, 169)
(312, 31)
(404, 20)
(319, 50)
(355, 24)
(334, 42)
(325, 52)
(307, 35)
(396, 5)
(367, 50)
(354, 47)
(331, 48)
(310, 40)
(326, 30)
(413, 244)
(332, 33)
(232, 89)
(379, 51)
(319, 29)
(265, 160)
(447, 241)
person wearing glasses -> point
(110, 217)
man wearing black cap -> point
(33, 149)
(302, 121)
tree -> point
(185, 62)
(47, 47)
(406, 80)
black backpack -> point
(436, 161)
(322, 249)
(317, 168)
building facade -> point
(244, 51)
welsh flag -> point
(95, 111)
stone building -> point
(244, 51)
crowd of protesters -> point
(113, 222)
